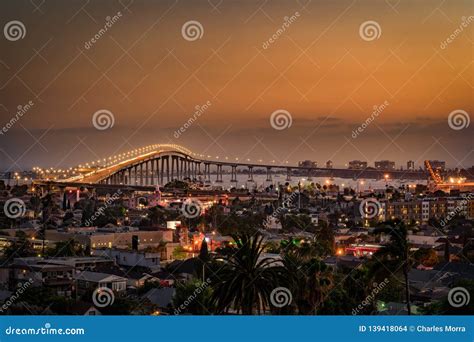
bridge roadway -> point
(172, 162)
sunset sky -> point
(319, 69)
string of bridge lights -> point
(55, 173)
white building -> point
(92, 280)
(131, 258)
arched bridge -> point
(164, 163)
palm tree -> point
(395, 255)
(35, 203)
(318, 282)
(200, 293)
(245, 280)
(308, 279)
(292, 276)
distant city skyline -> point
(252, 59)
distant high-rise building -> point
(329, 164)
(357, 164)
(385, 165)
(308, 164)
(410, 165)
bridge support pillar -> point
(198, 164)
(185, 168)
(182, 172)
(207, 172)
(288, 174)
(173, 170)
(173, 174)
(310, 173)
(165, 161)
(178, 171)
(269, 174)
(157, 161)
(250, 174)
(152, 172)
(141, 174)
(219, 173)
(233, 172)
(146, 173)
